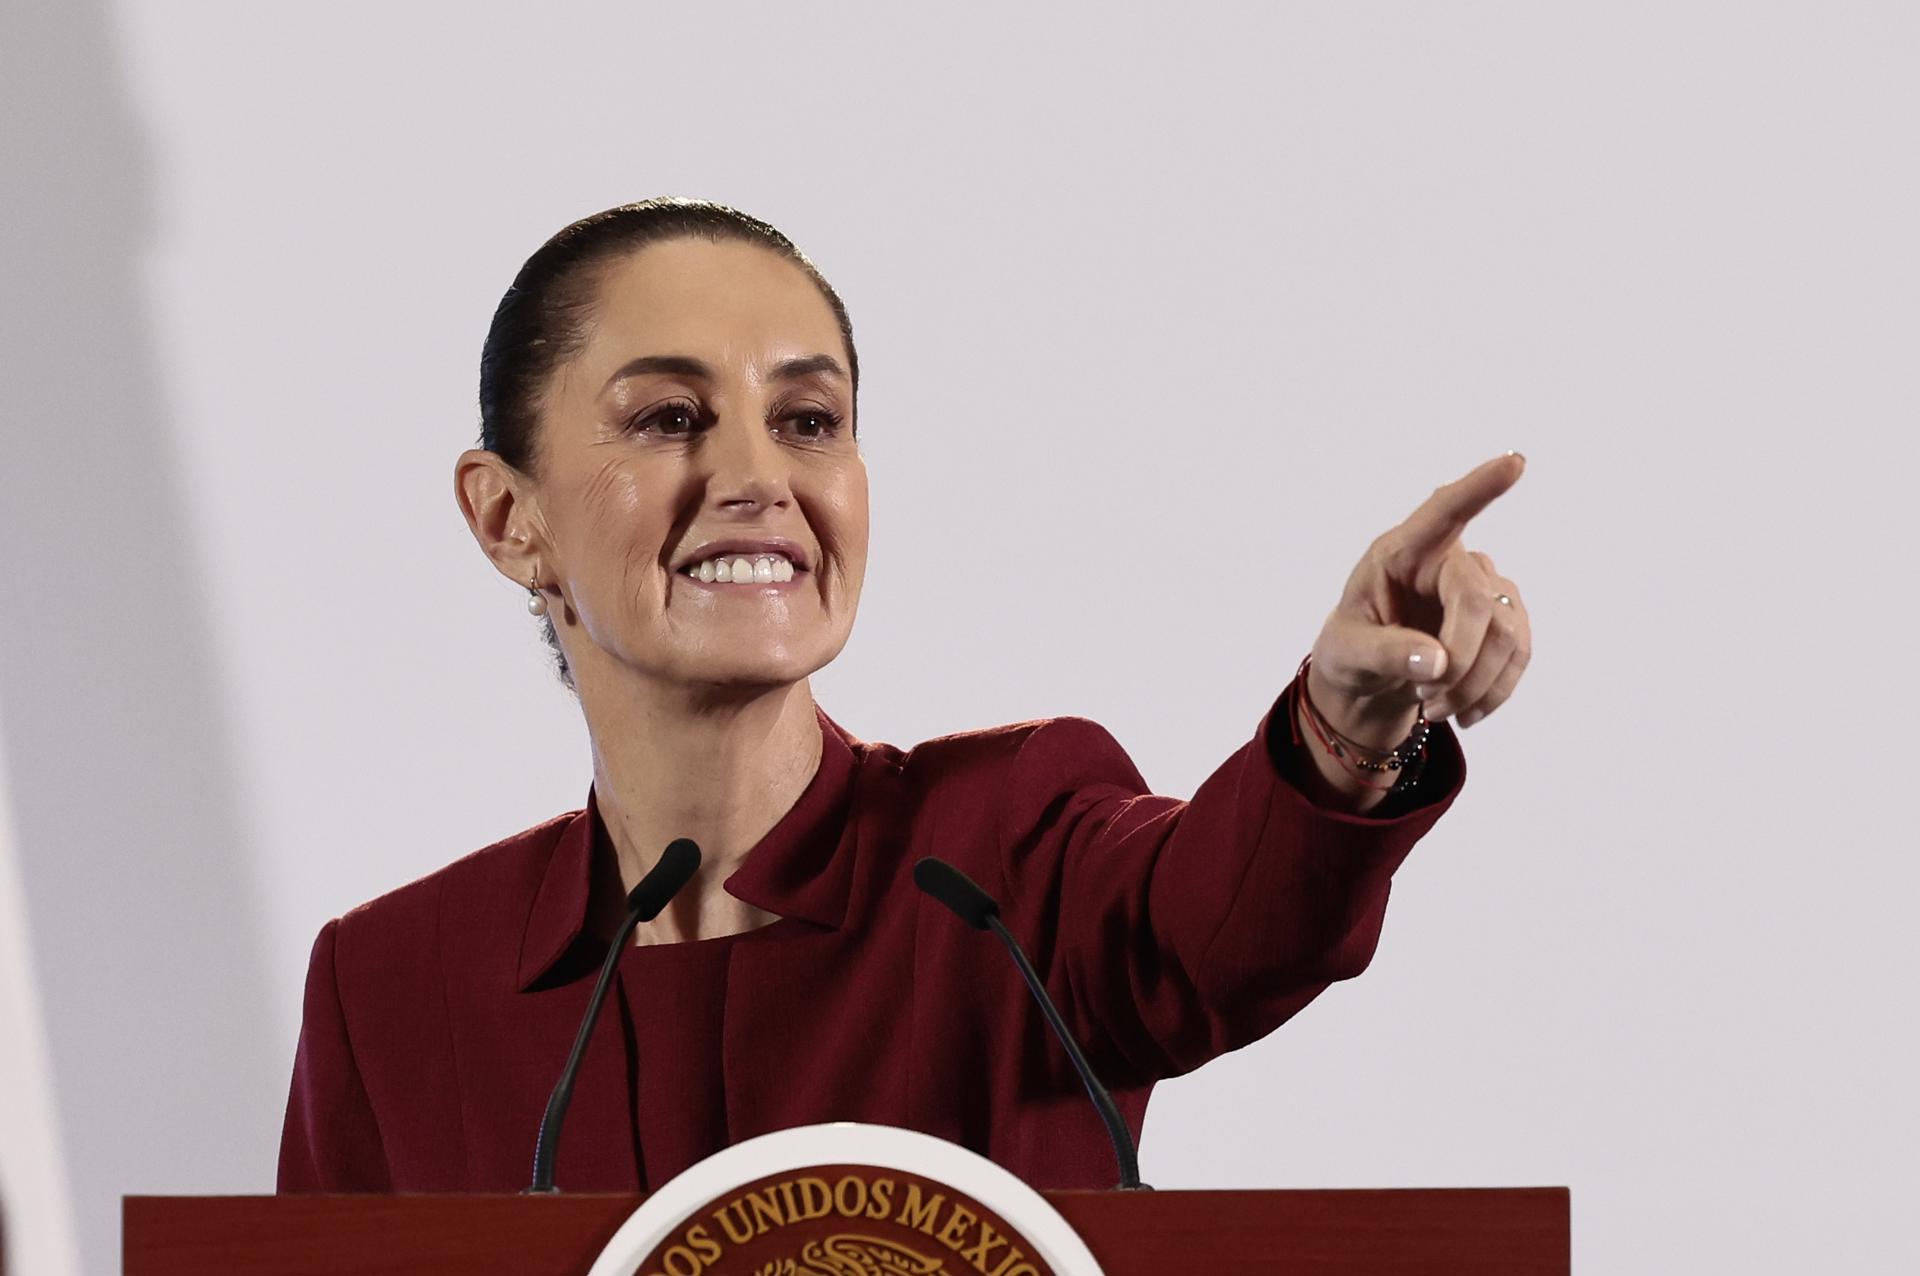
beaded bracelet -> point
(1408, 758)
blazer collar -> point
(793, 871)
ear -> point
(503, 516)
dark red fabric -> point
(438, 1016)
(675, 997)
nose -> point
(747, 470)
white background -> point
(1164, 313)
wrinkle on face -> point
(837, 582)
(625, 502)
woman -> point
(669, 467)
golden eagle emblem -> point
(848, 1255)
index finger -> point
(1445, 514)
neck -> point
(722, 771)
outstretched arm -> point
(1171, 931)
(1180, 930)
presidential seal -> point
(846, 1200)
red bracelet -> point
(1408, 758)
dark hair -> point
(542, 322)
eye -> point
(815, 423)
(673, 420)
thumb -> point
(1386, 655)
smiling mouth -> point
(743, 569)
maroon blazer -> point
(437, 1017)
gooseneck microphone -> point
(663, 881)
(979, 910)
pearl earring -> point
(536, 602)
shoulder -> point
(1040, 753)
(473, 898)
(1003, 804)
(1006, 779)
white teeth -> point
(765, 569)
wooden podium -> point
(1402, 1232)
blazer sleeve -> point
(1173, 932)
(331, 1140)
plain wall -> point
(1163, 313)
(36, 1214)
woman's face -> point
(708, 420)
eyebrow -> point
(681, 365)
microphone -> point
(663, 881)
(979, 910)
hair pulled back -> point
(543, 320)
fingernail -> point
(1470, 717)
(1419, 668)
(1511, 452)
